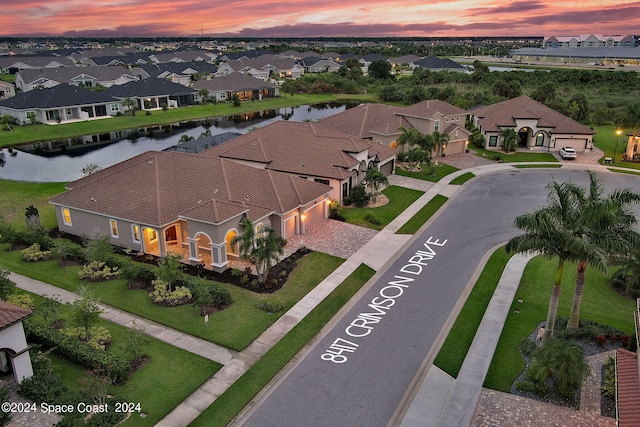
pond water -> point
(62, 160)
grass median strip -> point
(462, 178)
(423, 215)
(537, 166)
(232, 401)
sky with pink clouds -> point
(307, 18)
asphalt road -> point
(357, 374)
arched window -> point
(539, 139)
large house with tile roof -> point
(190, 204)
(310, 151)
(539, 127)
(14, 351)
(380, 123)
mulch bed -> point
(277, 276)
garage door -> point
(455, 147)
(290, 227)
(314, 215)
(387, 168)
(577, 144)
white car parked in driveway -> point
(567, 153)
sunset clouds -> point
(306, 18)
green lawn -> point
(516, 157)
(234, 327)
(157, 386)
(15, 196)
(537, 166)
(423, 215)
(232, 401)
(600, 304)
(455, 347)
(400, 198)
(606, 138)
(42, 132)
(462, 178)
(439, 171)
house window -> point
(113, 226)
(66, 216)
(493, 141)
(115, 108)
(152, 235)
(68, 111)
(135, 232)
(322, 181)
(436, 125)
(539, 139)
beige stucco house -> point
(380, 123)
(540, 128)
(190, 204)
(309, 151)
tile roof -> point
(431, 108)
(62, 95)
(359, 121)
(155, 188)
(300, 148)
(10, 314)
(495, 117)
(628, 385)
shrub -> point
(601, 340)
(44, 385)
(99, 337)
(609, 381)
(98, 271)
(79, 352)
(22, 301)
(359, 196)
(372, 219)
(34, 254)
(335, 211)
(162, 296)
(7, 286)
(270, 306)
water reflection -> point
(62, 160)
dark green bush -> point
(44, 385)
(359, 196)
(270, 306)
(4, 397)
(79, 352)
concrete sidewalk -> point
(447, 402)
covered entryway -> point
(173, 239)
(151, 241)
(524, 135)
(231, 250)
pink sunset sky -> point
(313, 18)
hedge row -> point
(78, 352)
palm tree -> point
(550, 231)
(409, 137)
(260, 249)
(128, 104)
(376, 179)
(440, 141)
(427, 143)
(609, 223)
(416, 155)
(509, 139)
(204, 94)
